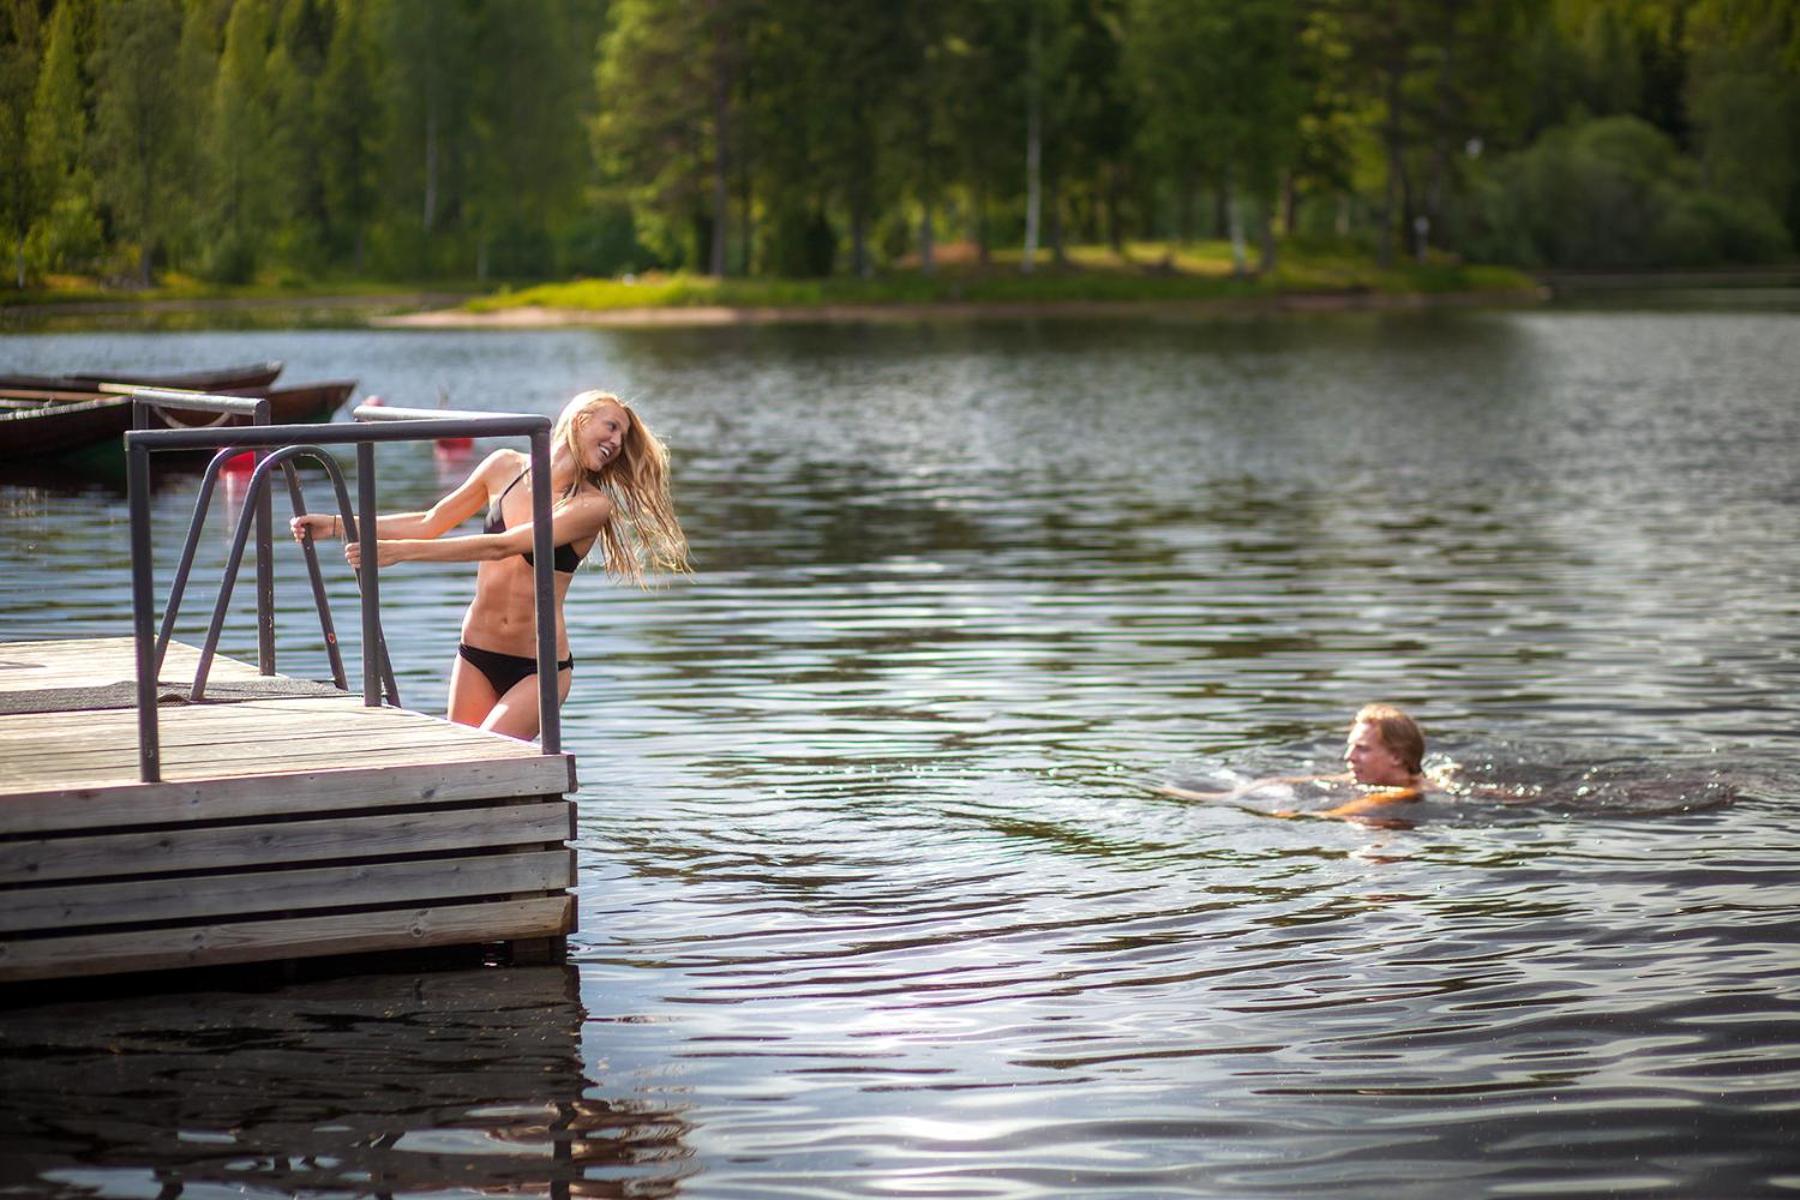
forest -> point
(485, 141)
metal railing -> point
(277, 446)
(147, 400)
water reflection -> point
(468, 1081)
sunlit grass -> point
(1154, 271)
(177, 286)
(1143, 271)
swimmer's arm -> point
(1181, 793)
(576, 520)
(468, 499)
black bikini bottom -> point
(504, 670)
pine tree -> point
(137, 126)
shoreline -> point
(713, 316)
(179, 304)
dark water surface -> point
(874, 901)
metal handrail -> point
(258, 411)
(144, 401)
(258, 487)
(375, 425)
(265, 596)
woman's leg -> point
(472, 697)
(516, 713)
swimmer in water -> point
(1384, 751)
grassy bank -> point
(175, 289)
(1152, 272)
(1146, 272)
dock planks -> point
(282, 828)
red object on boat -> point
(240, 464)
(455, 443)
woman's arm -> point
(469, 498)
(575, 520)
(1245, 789)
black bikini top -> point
(565, 559)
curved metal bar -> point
(297, 498)
(384, 666)
(178, 588)
(259, 479)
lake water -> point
(875, 900)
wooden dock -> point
(291, 822)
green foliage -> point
(1616, 193)
(1205, 277)
(249, 140)
(22, 196)
(139, 126)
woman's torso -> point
(503, 615)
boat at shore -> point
(37, 425)
(221, 379)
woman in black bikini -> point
(610, 482)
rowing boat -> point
(220, 379)
(48, 428)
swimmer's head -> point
(614, 451)
(1385, 747)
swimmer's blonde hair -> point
(643, 533)
(1397, 731)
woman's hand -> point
(320, 525)
(386, 553)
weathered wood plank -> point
(321, 740)
(280, 716)
(319, 776)
(90, 662)
(322, 752)
(298, 794)
(92, 773)
(217, 897)
(301, 937)
(217, 848)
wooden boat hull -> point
(56, 429)
(248, 375)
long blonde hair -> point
(643, 534)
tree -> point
(137, 126)
(296, 67)
(350, 122)
(56, 136)
(653, 135)
(527, 138)
(1744, 101)
(21, 196)
(860, 56)
(1220, 99)
(428, 49)
(240, 133)
(987, 71)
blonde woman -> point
(609, 480)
